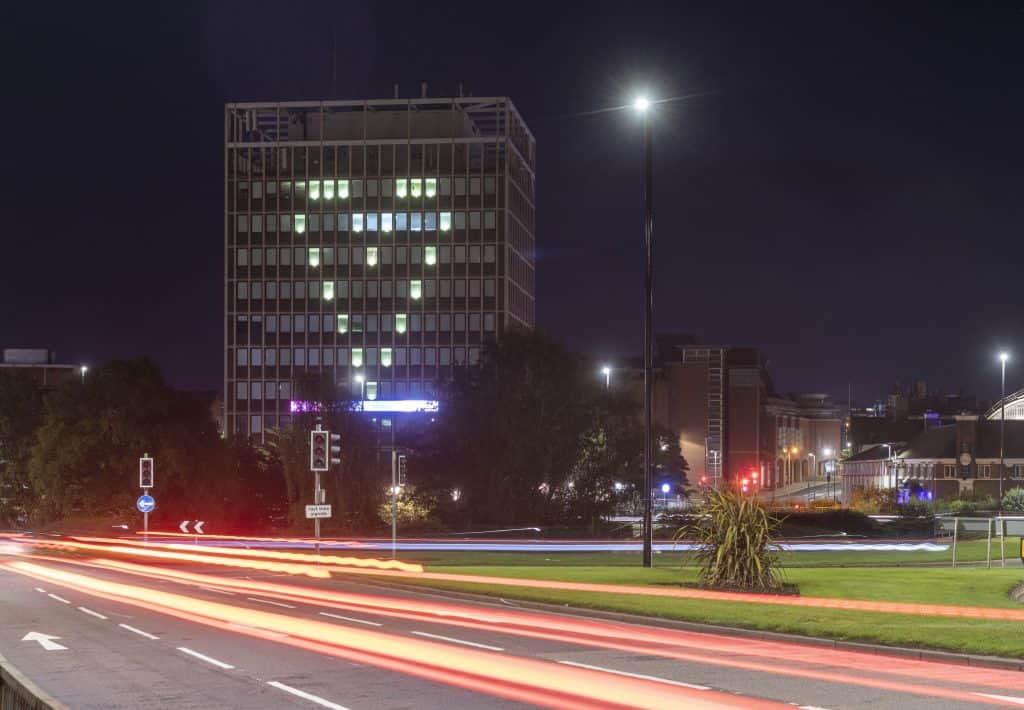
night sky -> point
(843, 187)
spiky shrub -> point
(1014, 500)
(733, 543)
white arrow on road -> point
(198, 527)
(184, 526)
(46, 641)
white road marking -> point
(140, 632)
(90, 612)
(60, 599)
(810, 707)
(306, 696)
(48, 643)
(453, 640)
(1005, 698)
(258, 630)
(656, 679)
(267, 601)
(40, 590)
(219, 591)
(349, 618)
(201, 657)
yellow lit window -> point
(328, 290)
(357, 357)
(328, 189)
(429, 255)
(371, 256)
(343, 322)
(400, 322)
(300, 223)
(371, 390)
(314, 189)
(401, 187)
(431, 187)
(446, 221)
(343, 189)
(385, 357)
(415, 290)
(416, 187)
(314, 258)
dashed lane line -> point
(306, 696)
(656, 679)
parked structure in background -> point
(41, 365)
(1014, 408)
(721, 403)
(947, 460)
(374, 243)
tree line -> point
(530, 436)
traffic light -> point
(753, 477)
(145, 472)
(402, 469)
(703, 480)
(335, 449)
(318, 446)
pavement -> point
(154, 635)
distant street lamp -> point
(83, 369)
(827, 452)
(813, 478)
(361, 380)
(607, 372)
(1003, 357)
(642, 104)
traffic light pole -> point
(316, 521)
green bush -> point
(874, 501)
(971, 504)
(734, 539)
(839, 520)
(1014, 500)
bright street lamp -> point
(361, 380)
(642, 104)
(83, 369)
(1003, 357)
(607, 372)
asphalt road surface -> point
(143, 635)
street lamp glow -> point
(641, 104)
(360, 379)
(665, 488)
(827, 452)
(606, 370)
(1003, 357)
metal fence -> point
(19, 693)
(997, 528)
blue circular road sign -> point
(145, 503)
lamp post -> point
(607, 372)
(361, 379)
(642, 105)
(827, 454)
(83, 369)
(1003, 357)
(814, 478)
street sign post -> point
(319, 510)
(324, 452)
(145, 502)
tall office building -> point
(376, 243)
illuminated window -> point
(431, 188)
(371, 222)
(401, 221)
(401, 187)
(343, 322)
(385, 357)
(314, 258)
(314, 189)
(371, 390)
(430, 221)
(416, 187)
(343, 189)
(357, 357)
(385, 222)
(446, 221)
(416, 221)
(328, 189)
(357, 222)
(371, 256)
(300, 223)
(400, 322)
(429, 255)
(328, 290)
(415, 290)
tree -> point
(21, 413)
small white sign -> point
(318, 511)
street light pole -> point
(1003, 357)
(607, 372)
(642, 105)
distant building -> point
(721, 404)
(376, 244)
(946, 460)
(41, 365)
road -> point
(136, 634)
